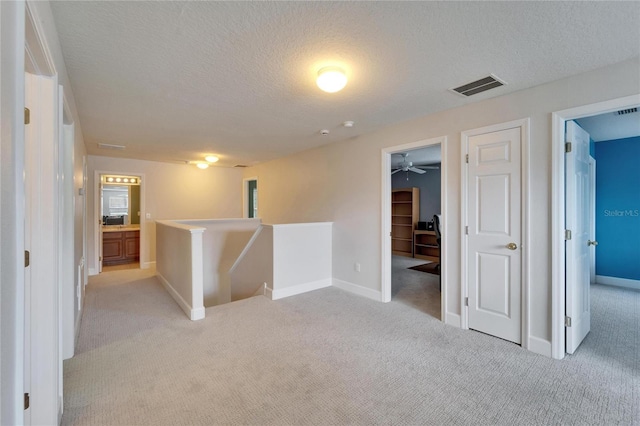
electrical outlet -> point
(356, 267)
(148, 215)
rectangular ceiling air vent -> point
(110, 146)
(479, 86)
(240, 165)
(627, 111)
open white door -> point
(494, 255)
(577, 223)
(42, 236)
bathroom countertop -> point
(120, 228)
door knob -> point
(512, 246)
(592, 243)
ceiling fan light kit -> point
(407, 166)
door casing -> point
(524, 125)
(558, 295)
(97, 216)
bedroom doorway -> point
(250, 198)
(413, 270)
(561, 287)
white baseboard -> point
(147, 265)
(453, 319)
(618, 282)
(194, 314)
(275, 294)
(358, 289)
(539, 346)
(93, 271)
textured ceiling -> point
(175, 80)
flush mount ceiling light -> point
(211, 158)
(331, 79)
(202, 165)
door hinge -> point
(567, 234)
(567, 147)
(100, 259)
(466, 230)
(26, 401)
(27, 256)
(27, 116)
(466, 158)
(466, 301)
(567, 321)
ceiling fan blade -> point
(428, 167)
(417, 170)
(396, 171)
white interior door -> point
(42, 236)
(494, 254)
(577, 222)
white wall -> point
(301, 256)
(323, 185)
(170, 191)
(180, 265)
(222, 243)
(254, 267)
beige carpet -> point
(331, 358)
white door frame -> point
(558, 120)
(386, 215)
(97, 215)
(525, 125)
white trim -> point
(296, 289)
(385, 255)
(539, 346)
(147, 265)
(194, 314)
(357, 289)
(558, 119)
(453, 319)
(525, 231)
(618, 282)
(36, 47)
(97, 214)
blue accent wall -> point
(618, 208)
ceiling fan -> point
(407, 166)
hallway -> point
(329, 357)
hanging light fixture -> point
(331, 79)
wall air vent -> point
(240, 165)
(627, 111)
(110, 146)
(479, 86)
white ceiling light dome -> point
(331, 79)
